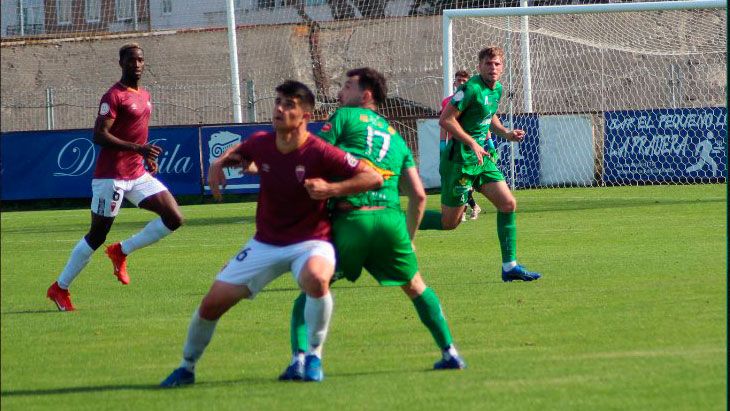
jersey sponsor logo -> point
(458, 96)
(104, 109)
(327, 127)
(299, 171)
(351, 161)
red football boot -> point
(61, 297)
(119, 260)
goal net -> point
(631, 93)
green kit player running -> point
(469, 117)
(369, 229)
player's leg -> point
(299, 341)
(499, 194)
(220, 298)
(150, 194)
(350, 233)
(455, 186)
(102, 218)
(431, 313)
(244, 276)
(313, 271)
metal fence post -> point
(251, 101)
(50, 120)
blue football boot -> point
(453, 362)
(294, 372)
(178, 378)
(313, 368)
(518, 273)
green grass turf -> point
(631, 314)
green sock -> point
(429, 310)
(298, 326)
(507, 233)
(431, 221)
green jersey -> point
(477, 104)
(368, 136)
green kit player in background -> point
(468, 118)
(369, 229)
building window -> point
(166, 6)
(63, 11)
(92, 10)
(124, 9)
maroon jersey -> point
(131, 111)
(285, 213)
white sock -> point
(508, 266)
(317, 314)
(450, 352)
(297, 358)
(200, 333)
(80, 256)
(151, 233)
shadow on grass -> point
(131, 387)
(29, 312)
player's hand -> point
(516, 135)
(150, 151)
(152, 166)
(491, 150)
(317, 188)
(479, 151)
(216, 180)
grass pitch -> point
(631, 314)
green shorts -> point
(376, 240)
(457, 179)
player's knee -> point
(95, 240)
(173, 221)
(508, 206)
(316, 284)
(449, 223)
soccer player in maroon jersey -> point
(121, 129)
(292, 225)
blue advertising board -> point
(526, 153)
(60, 164)
(215, 140)
(677, 145)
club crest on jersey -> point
(364, 118)
(134, 106)
(351, 161)
(327, 127)
(104, 109)
(299, 171)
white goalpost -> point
(620, 93)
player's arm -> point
(365, 179)
(216, 177)
(411, 185)
(512, 135)
(449, 121)
(104, 138)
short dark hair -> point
(461, 73)
(373, 80)
(491, 52)
(296, 89)
(127, 47)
